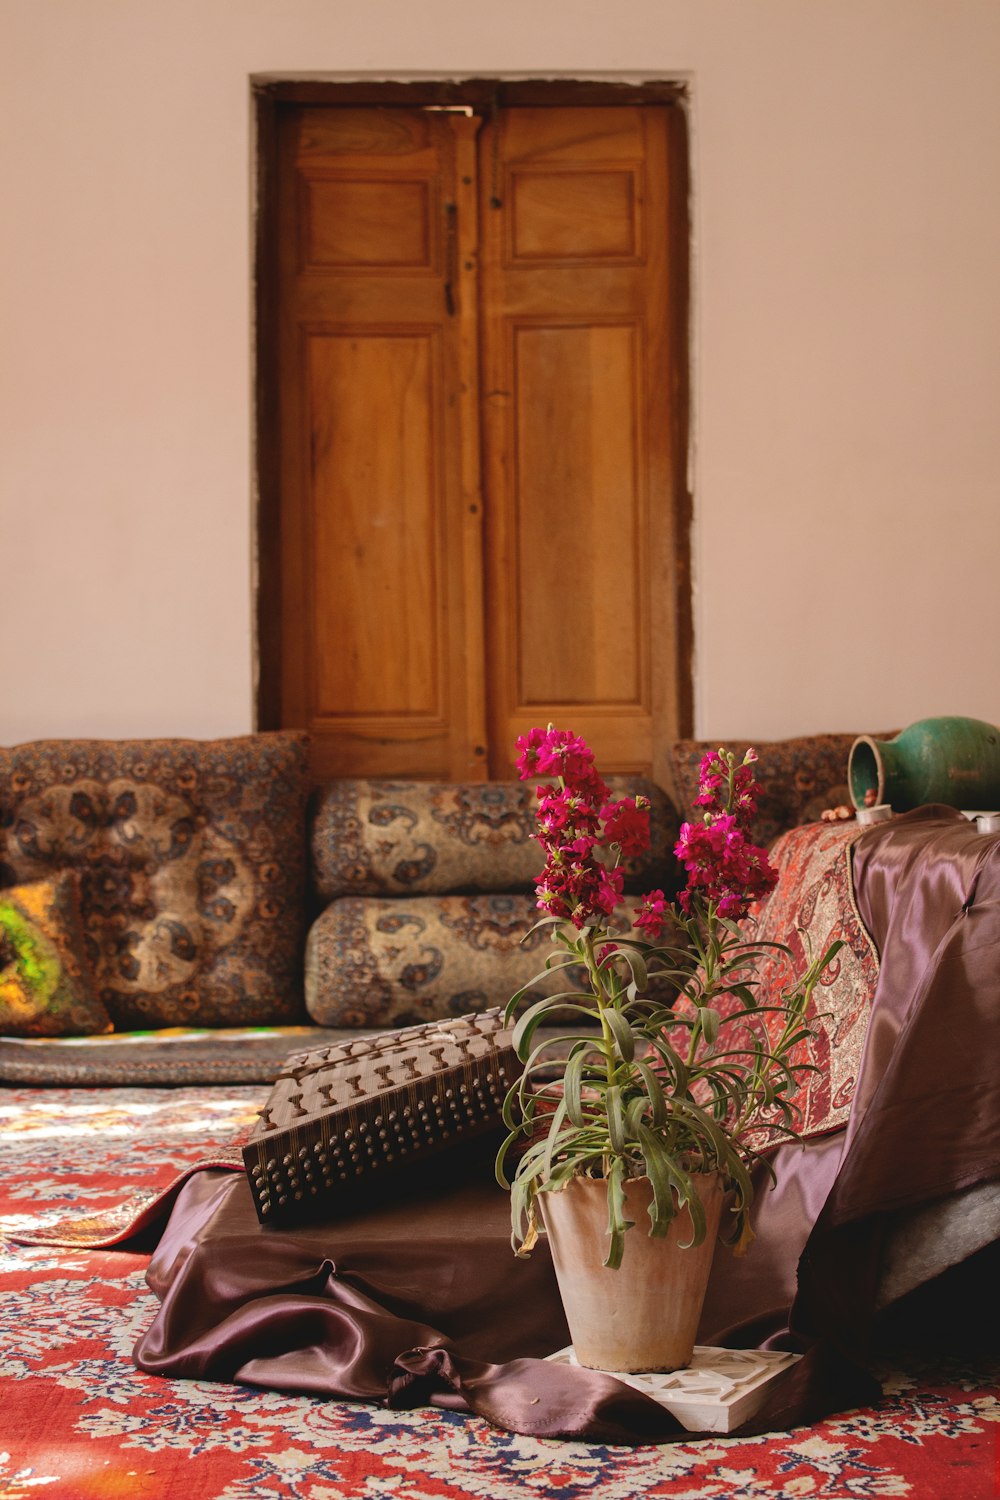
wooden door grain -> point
(474, 516)
(381, 546)
(578, 430)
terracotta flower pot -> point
(643, 1316)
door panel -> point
(569, 216)
(371, 224)
(381, 586)
(577, 639)
(577, 436)
(375, 532)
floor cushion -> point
(402, 838)
(190, 856)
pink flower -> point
(712, 778)
(577, 822)
(554, 811)
(581, 847)
(626, 823)
(565, 813)
(609, 890)
(725, 787)
(557, 752)
(529, 746)
(550, 900)
(746, 789)
(651, 915)
(723, 865)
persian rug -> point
(79, 1422)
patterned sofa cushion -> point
(46, 987)
(397, 961)
(387, 838)
(191, 861)
(383, 961)
(800, 777)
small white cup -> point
(880, 813)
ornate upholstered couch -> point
(204, 888)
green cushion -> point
(46, 986)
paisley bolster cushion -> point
(378, 961)
(385, 838)
(46, 987)
(190, 856)
(385, 961)
(800, 777)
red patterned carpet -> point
(77, 1420)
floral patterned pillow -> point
(400, 961)
(191, 860)
(384, 961)
(46, 987)
(407, 838)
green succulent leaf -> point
(573, 1088)
(616, 1119)
(637, 964)
(688, 1194)
(662, 1210)
(534, 1015)
(653, 1088)
(617, 1222)
(552, 1139)
(501, 1162)
(622, 1033)
(708, 1019)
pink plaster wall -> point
(846, 340)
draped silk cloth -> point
(416, 1298)
(925, 1121)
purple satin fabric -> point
(420, 1301)
(929, 892)
(925, 1120)
(417, 1301)
(416, 1298)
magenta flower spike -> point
(661, 1085)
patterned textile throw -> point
(46, 987)
(191, 862)
(375, 961)
(812, 906)
(801, 777)
(391, 838)
(80, 1422)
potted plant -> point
(659, 1103)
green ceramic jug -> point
(950, 760)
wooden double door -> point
(478, 402)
